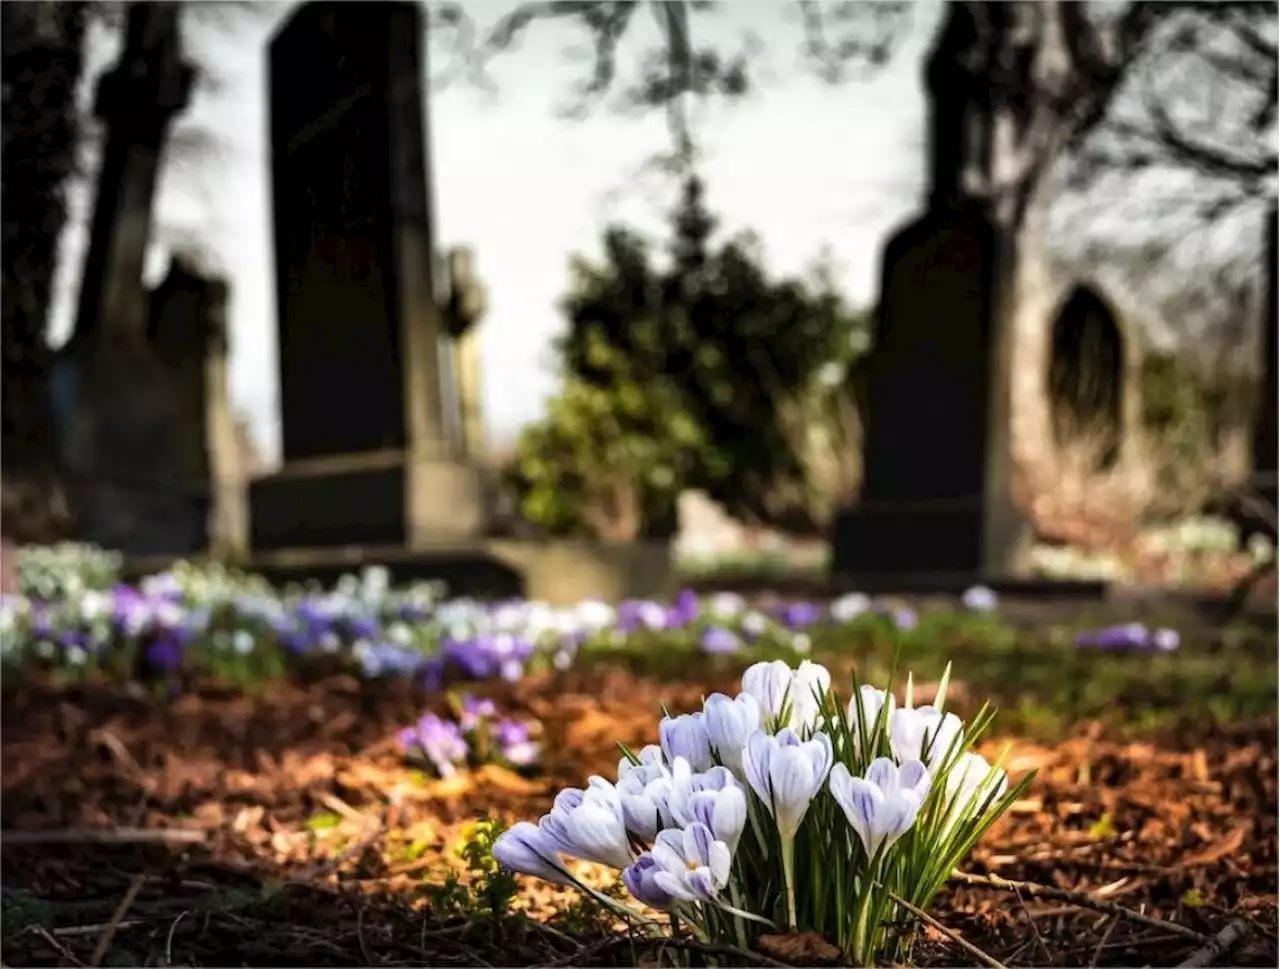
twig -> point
(1217, 946)
(364, 947)
(109, 933)
(58, 947)
(1044, 949)
(593, 954)
(952, 934)
(1102, 943)
(105, 836)
(168, 941)
(1083, 899)
(93, 928)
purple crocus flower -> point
(430, 674)
(684, 610)
(130, 611)
(1129, 635)
(513, 743)
(905, 619)
(469, 655)
(718, 641)
(801, 615)
(474, 711)
(165, 651)
(438, 741)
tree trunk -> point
(42, 65)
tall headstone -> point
(367, 459)
(1265, 426)
(937, 466)
(464, 305)
(189, 332)
(121, 440)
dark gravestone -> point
(366, 458)
(118, 401)
(934, 493)
(1265, 430)
(1087, 378)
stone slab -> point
(378, 498)
(558, 572)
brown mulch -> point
(1181, 827)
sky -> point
(810, 168)
(804, 165)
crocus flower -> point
(971, 775)
(726, 605)
(769, 683)
(716, 640)
(514, 745)
(439, 741)
(801, 615)
(714, 798)
(1129, 635)
(524, 848)
(641, 881)
(925, 734)
(729, 723)
(905, 619)
(849, 607)
(786, 773)
(685, 736)
(979, 598)
(810, 682)
(691, 865)
(873, 702)
(882, 806)
(593, 829)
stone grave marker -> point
(937, 468)
(367, 456)
(121, 432)
(189, 331)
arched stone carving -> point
(1089, 377)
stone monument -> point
(367, 456)
(119, 403)
(189, 332)
(1264, 425)
(937, 465)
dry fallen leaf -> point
(799, 949)
(505, 780)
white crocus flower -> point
(882, 806)
(692, 865)
(873, 703)
(924, 734)
(729, 722)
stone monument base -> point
(559, 572)
(378, 498)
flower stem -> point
(739, 925)
(789, 876)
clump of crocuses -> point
(788, 807)
(477, 736)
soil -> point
(150, 831)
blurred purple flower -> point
(905, 619)
(801, 615)
(514, 745)
(438, 741)
(475, 710)
(1130, 636)
(684, 610)
(716, 640)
